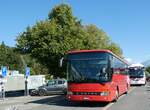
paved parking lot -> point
(55, 102)
(58, 102)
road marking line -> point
(110, 104)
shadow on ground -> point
(14, 94)
(61, 101)
(148, 88)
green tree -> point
(36, 67)
(148, 69)
(115, 48)
(49, 40)
(98, 39)
(95, 38)
(9, 57)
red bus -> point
(96, 75)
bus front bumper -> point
(92, 98)
(132, 82)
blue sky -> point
(127, 22)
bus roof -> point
(136, 65)
(84, 51)
(107, 51)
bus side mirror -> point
(61, 62)
(103, 70)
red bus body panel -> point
(91, 87)
(119, 82)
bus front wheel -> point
(117, 95)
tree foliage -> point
(49, 40)
(36, 67)
(148, 69)
(9, 57)
(98, 39)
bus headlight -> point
(70, 93)
(106, 93)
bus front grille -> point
(86, 93)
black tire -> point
(127, 89)
(42, 92)
(117, 96)
(64, 92)
(32, 94)
(145, 83)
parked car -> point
(56, 86)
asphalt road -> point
(137, 99)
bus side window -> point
(118, 66)
(115, 65)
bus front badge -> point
(85, 98)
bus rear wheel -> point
(127, 89)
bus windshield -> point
(136, 73)
(88, 67)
